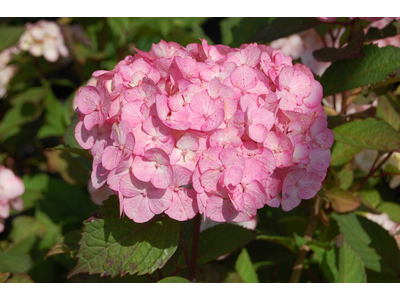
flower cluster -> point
(44, 38)
(11, 188)
(206, 129)
(7, 72)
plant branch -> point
(371, 172)
(308, 234)
(185, 250)
(195, 246)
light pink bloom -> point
(11, 189)
(93, 105)
(44, 38)
(155, 167)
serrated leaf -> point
(286, 241)
(386, 111)
(342, 200)
(20, 278)
(245, 267)
(347, 74)
(174, 279)
(111, 245)
(376, 248)
(327, 260)
(352, 50)
(391, 208)
(351, 267)
(10, 36)
(342, 153)
(222, 239)
(369, 134)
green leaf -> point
(352, 50)
(236, 31)
(327, 260)
(370, 134)
(392, 169)
(376, 248)
(56, 118)
(342, 153)
(342, 200)
(66, 244)
(392, 209)
(245, 267)
(20, 278)
(10, 36)
(111, 245)
(81, 152)
(222, 239)
(4, 276)
(174, 279)
(286, 241)
(386, 111)
(346, 176)
(14, 262)
(69, 136)
(377, 34)
(351, 267)
(370, 198)
(375, 66)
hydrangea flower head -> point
(205, 129)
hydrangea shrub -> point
(208, 129)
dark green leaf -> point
(375, 66)
(352, 50)
(377, 34)
(342, 153)
(245, 267)
(222, 239)
(376, 248)
(285, 241)
(174, 279)
(351, 267)
(237, 31)
(14, 262)
(10, 36)
(111, 245)
(370, 134)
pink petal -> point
(220, 210)
(88, 99)
(184, 205)
(232, 176)
(4, 211)
(244, 78)
(111, 157)
(162, 177)
(137, 208)
(159, 199)
(84, 137)
(213, 121)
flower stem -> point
(195, 246)
(308, 234)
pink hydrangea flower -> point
(11, 190)
(205, 129)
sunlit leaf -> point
(351, 267)
(245, 267)
(111, 245)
